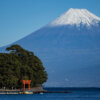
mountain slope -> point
(69, 48)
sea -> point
(77, 94)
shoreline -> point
(20, 91)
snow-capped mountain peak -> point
(76, 17)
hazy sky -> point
(19, 18)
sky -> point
(19, 18)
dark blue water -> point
(77, 94)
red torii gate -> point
(26, 82)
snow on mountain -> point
(76, 17)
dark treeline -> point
(20, 64)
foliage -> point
(20, 64)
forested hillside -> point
(19, 64)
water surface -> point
(77, 94)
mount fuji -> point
(69, 48)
